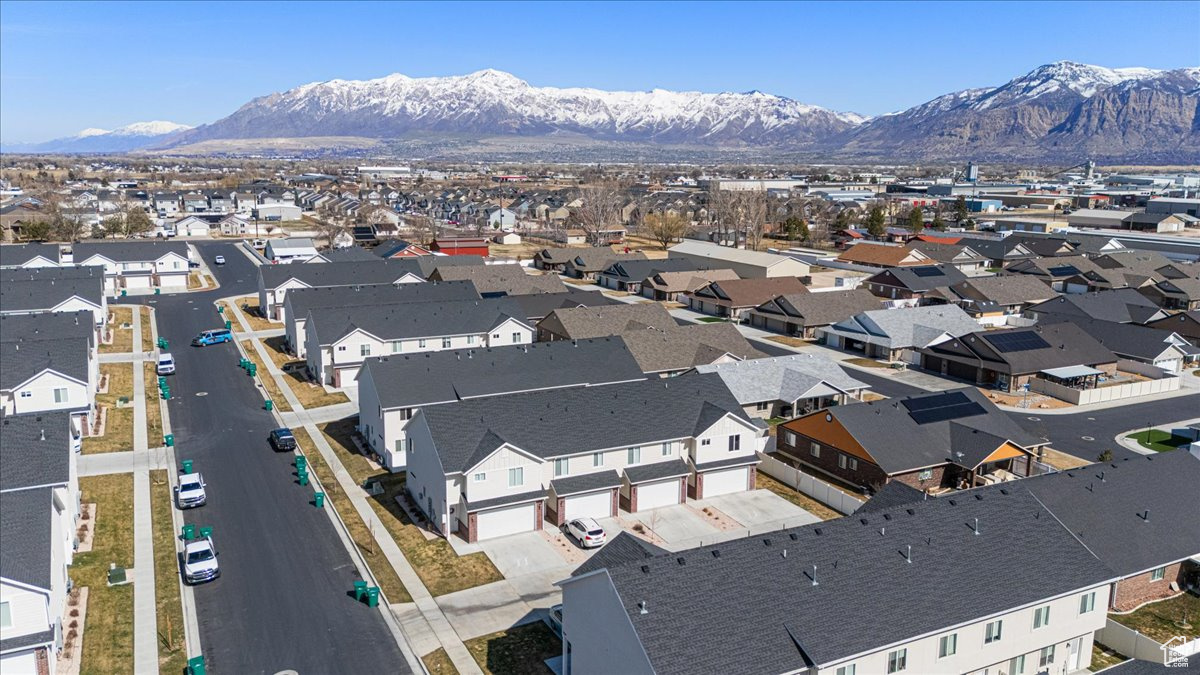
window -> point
(846, 670)
(470, 339)
(666, 449)
(1041, 617)
(480, 477)
(1016, 665)
(927, 474)
(516, 477)
(1087, 602)
(762, 406)
(735, 443)
(445, 343)
(635, 455)
(789, 437)
(992, 632)
(420, 344)
(495, 336)
(814, 448)
(948, 645)
(364, 350)
(1158, 574)
(27, 394)
(516, 337)
(399, 445)
(705, 441)
(5, 615)
(597, 459)
(341, 348)
(897, 660)
(406, 413)
(847, 462)
(1046, 656)
(560, 467)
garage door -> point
(725, 482)
(592, 505)
(501, 522)
(137, 282)
(347, 377)
(654, 495)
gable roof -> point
(347, 254)
(718, 254)
(20, 361)
(748, 292)
(36, 450)
(1124, 305)
(884, 255)
(781, 378)
(674, 347)
(579, 419)
(919, 278)
(1044, 346)
(1127, 339)
(945, 252)
(302, 300)
(907, 326)
(413, 319)
(411, 380)
(865, 580)
(538, 305)
(47, 326)
(506, 279)
(1013, 289)
(577, 323)
(341, 273)
(25, 528)
(824, 308)
(1186, 324)
(639, 270)
(597, 259)
(19, 254)
(129, 251)
(623, 548)
(688, 280)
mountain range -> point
(128, 138)
(1061, 111)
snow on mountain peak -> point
(92, 131)
(1080, 78)
(153, 128)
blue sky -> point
(64, 67)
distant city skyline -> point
(67, 67)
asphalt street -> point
(282, 601)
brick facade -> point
(1139, 589)
(867, 474)
(42, 657)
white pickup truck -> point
(190, 492)
(200, 561)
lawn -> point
(229, 315)
(522, 649)
(122, 341)
(108, 635)
(172, 657)
(764, 482)
(1103, 657)
(1163, 620)
(147, 328)
(393, 589)
(438, 662)
(268, 382)
(278, 353)
(712, 319)
(789, 340)
(118, 429)
(440, 568)
(1158, 440)
(310, 394)
(154, 427)
(257, 321)
(867, 363)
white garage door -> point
(137, 282)
(173, 280)
(725, 482)
(654, 495)
(501, 522)
(592, 505)
(347, 377)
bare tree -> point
(665, 228)
(327, 228)
(599, 210)
(738, 214)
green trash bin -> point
(303, 477)
(166, 394)
(228, 325)
(301, 462)
(189, 532)
(243, 363)
(252, 370)
(360, 590)
(195, 666)
(124, 292)
(157, 291)
(206, 531)
(373, 596)
(319, 499)
(187, 464)
(162, 381)
(220, 309)
(268, 405)
(169, 439)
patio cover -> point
(1071, 371)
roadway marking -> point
(202, 393)
(1035, 419)
(1087, 438)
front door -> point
(1073, 649)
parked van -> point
(166, 364)
(212, 337)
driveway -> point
(677, 526)
(759, 510)
(521, 554)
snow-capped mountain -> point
(124, 139)
(1061, 110)
(490, 103)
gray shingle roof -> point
(1124, 305)
(1067, 345)
(52, 273)
(907, 326)
(506, 279)
(638, 270)
(577, 323)
(597, 259)
(623, 548)
(1012, 289)
(781, 378)
(410, 380)
(1129, 340)
(36, 450)
(25, 529)
(413, 319)
(128, 251)
(538, 305)
(47, 326)
(893, 494)
(19, 254)
(763, 614)
(643, 473)
(922, 278)
(577, 420)
(301, 300)
(349, 254)
(45, 637)
(588, 482)
(674, 347)
(341, 273)
(46, 295)
(822, 309)
(505, 500)
(20, 361)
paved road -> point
(1068, 432)
(281, 602)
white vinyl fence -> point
(810, 485)
(1133, 644)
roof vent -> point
(908, 554)
(887, 516)
(814, 575)
(817, 530)
(976, 526)
(910, 511)
(952, 502)
(681, 560)
(793, 536)
(784, 553)
(43, 434)
(863, 521)
(766, 542)
(1146, 516)
(642, 608)
(716, 553)
(645, 569)
(1004, 491)
(882, 531)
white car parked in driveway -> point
(200, 561)
(587, 532)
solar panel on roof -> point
(935, 401)
(949, 412)
(1063, 270)
(1017, 342)
(928, 272)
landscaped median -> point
(229, 315)
(273, 391)
(1158, 440)
(249, 306)
(438, 662)
(118, 417)
(310, 394)
(147, 321)
(172, 655)
(440, 568)
(120, 325)
(154, 427)
(108, 632)
(393, 589)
